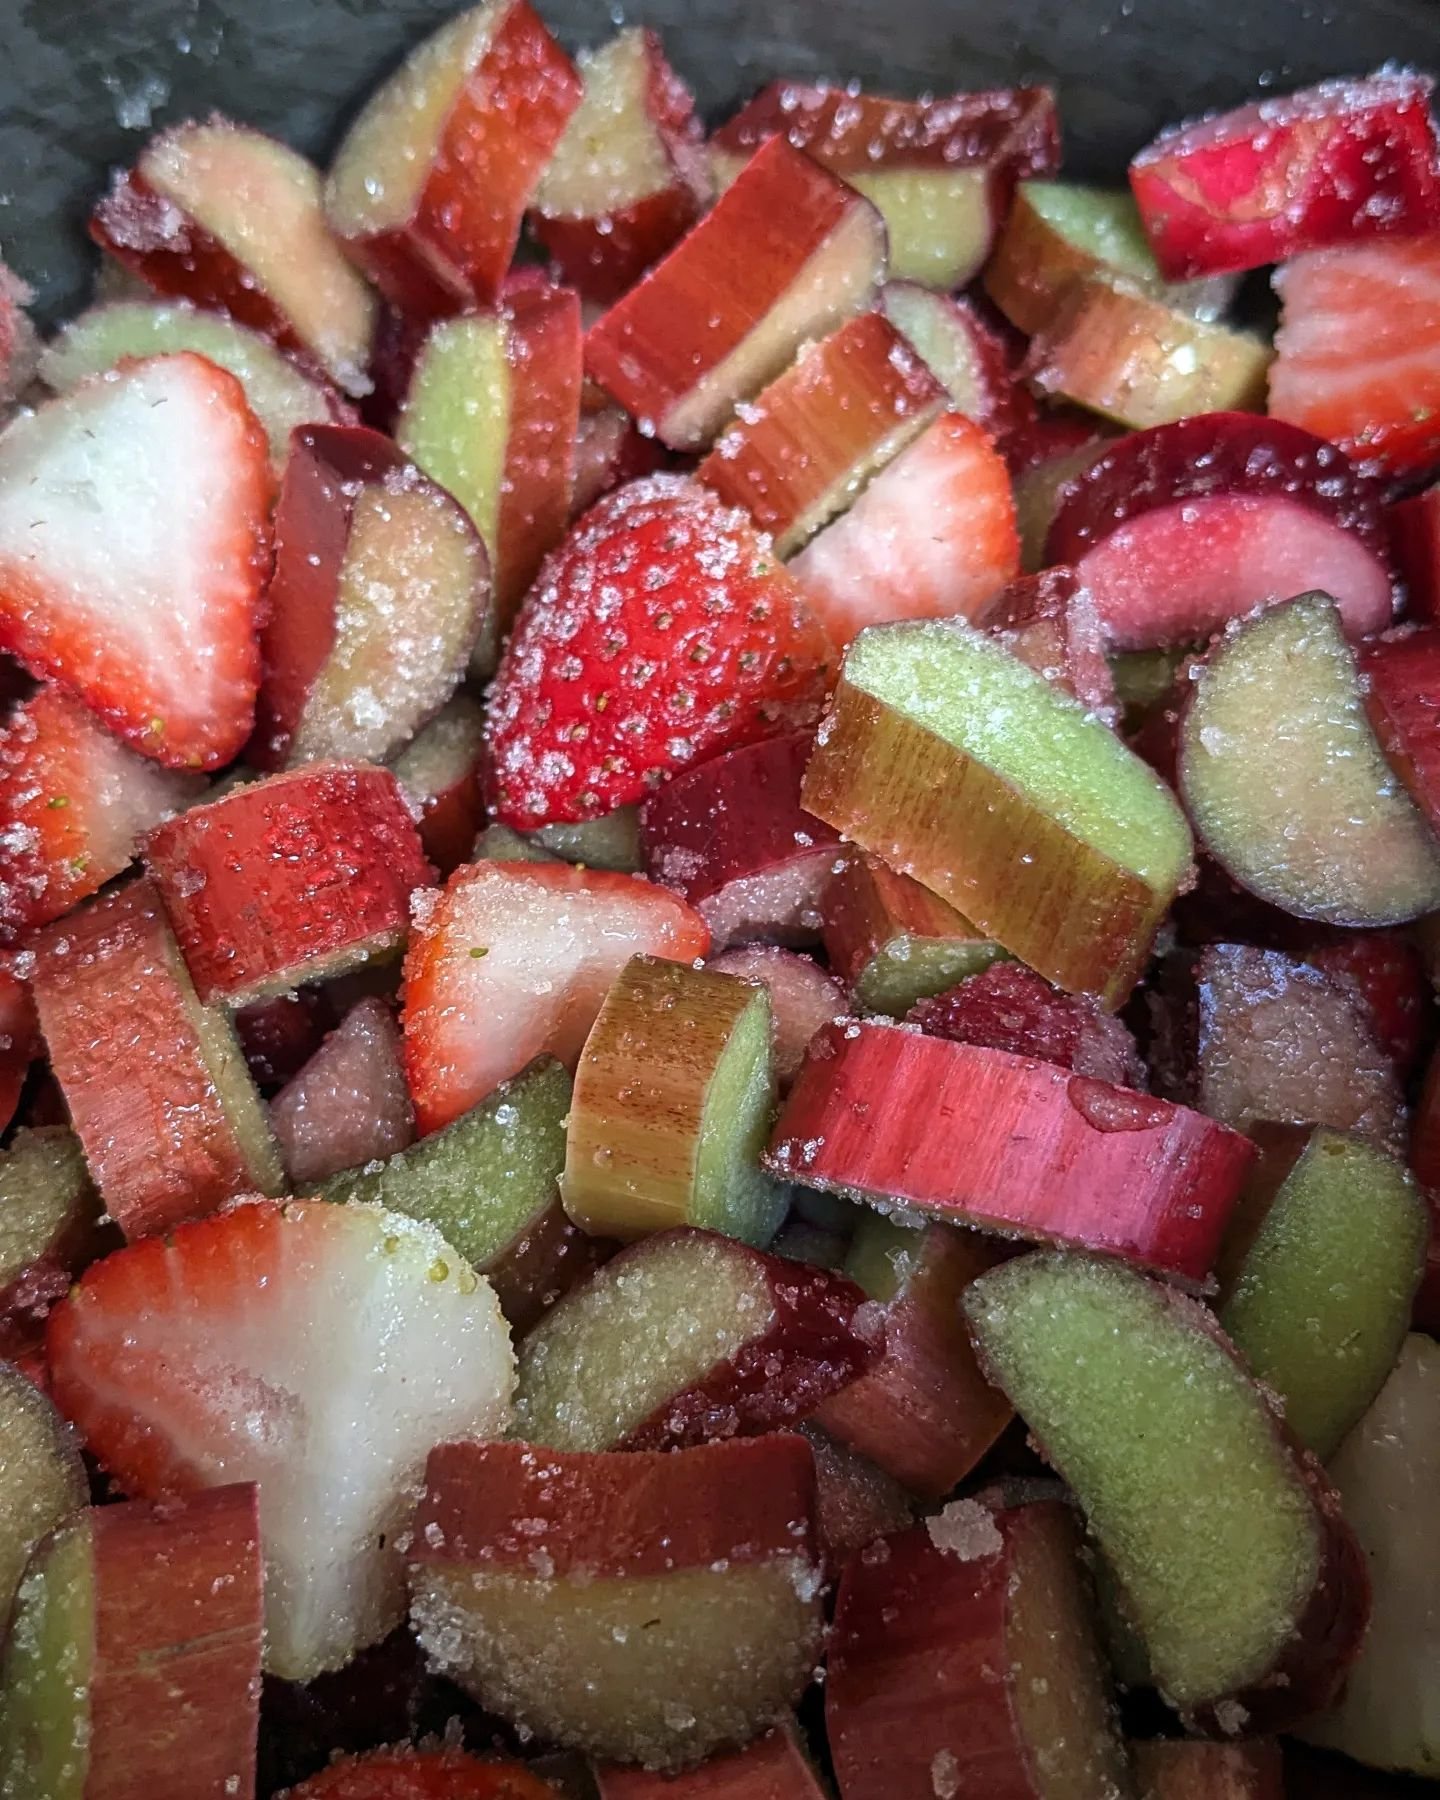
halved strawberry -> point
(661, 631)
(317, 1349)
(512, 961)
(73, 801)
(133, 543)
(407, 1774)
(1358, 349)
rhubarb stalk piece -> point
(965, 350)
(673, 1097)
(1233, 1560)
(49, 1229)
(1186, 1769)
(685, 1337)
(609, 841)
(1050, 622)
(1415, 536)
(956, 764)
(42, 1479)
(1003, 1143)
(642, 1607)
(803, 997)
(440, 771)
(409, 1774)
(774, 1767)
(349, 1104)
(1400, 678)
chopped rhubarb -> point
(1321, 1264)
(1049, 621)
(440, 772)
(1187, 1769)
(349, 1105)
(1415, 538)
(964, 1662)
(644, 1607)
(956, 764)
(673, 1098)
(19, 345)
(170, 1121)
(512, 961)
(296, 878)
(1330, 165)
(430, 186)
(893, 942)
(610, 450)
(804, 448)
(49, 1230)
(42, 1479)
(964, 350)
(979, 1137)
(1387, 972)
(1400, 676)
(611, 841)
(774, 1767)
(731, 837)
(1229, 1547)
(788, 252)
(19, 1039)
(1178, 530)
(281, 1034)
(1286, 784)
(629, 176)
(685, 1337)
(932, 536)
(802, 998)
(1044, 459)
(855, 1500)
(409, 1774)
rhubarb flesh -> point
(1287, 785)
(956, 764)
(774, 1767)
(349, 1104)
(1233, 1559)
(803, 997)
(440, 769)
(967, 354)
(42, 1479)
(1184, 1769)
(49, 1225)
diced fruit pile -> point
(719, 912)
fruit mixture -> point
(719, 917)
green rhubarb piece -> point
(609, 842)
(911, 968)
(482, 1179)
(455, 419)
(45, 1675)
(42, 1480)
(1104, 225)
(1318, 1294)
(883, 1256)
(1174, 1455)
(49, 1211)
(498, 843)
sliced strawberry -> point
(132, 550)
(407, 1774)
(660, 632)
(1358, 350)
(512, 961)
(932, 536)
(319, 1350)
(73, 801)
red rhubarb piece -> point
(380, 589)
(1177, 530)
(774, 1767)
(441, 773)
(802, 997)
(967, 349)
(18, 1040)
(349, 1104)
(731, 837)
(408, 1774)
(1187, 1769)
(132, 547)
(429, 188)
(1388, 974)
(73, 803)
(610, 450)
(932, 536)
(702, 643)
(221, 215)
(1358, 351)
(512, 961)
(1049, 621)
(280, 1034)
(296, 878)
(855, 1500)
(1009, 1007)
(1415, 538)
(1333, 164)
(170, 1120)
(787, 253)
(1001, 1142)
(1401, 677)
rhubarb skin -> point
(1003, 1143)
(1186, 1769)
(18, 1040)
(1415, 536)
(774, 1767)
(1401, 679)
(1049, 621)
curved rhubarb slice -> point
(489, 1183)
(940, 171)
(349, 1104)
(1178, 530)
(133, 543)
(967, 353)
(1049, 621)
(231, 219)
(280, 393)
(1004, 1143)
(440, 771)
(49, 1228)
(686, 1337)
(357, 1338)
(807, 445)
(731, 837)
(802, 998)
(956, 764)
(924, 1413)
(1320, 1268)
(297, 878)
(134, 1664)
(512, 961)
(1286, 784)
(643, 1607)
(380, 590)
(74, 802)
(964, 1662)
(933, 535)
(429, 188)
(1400, 676)
(42, 1479)
(673, 1097)
(1186, 1769)
(774, 1767)
(893, 942)
(409, 1774)
(171, 1123)
(1386, 1472)
(1331, 164)
(787, 253)
(629, 176)
(1234, 1561)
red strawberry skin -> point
(660, 632)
